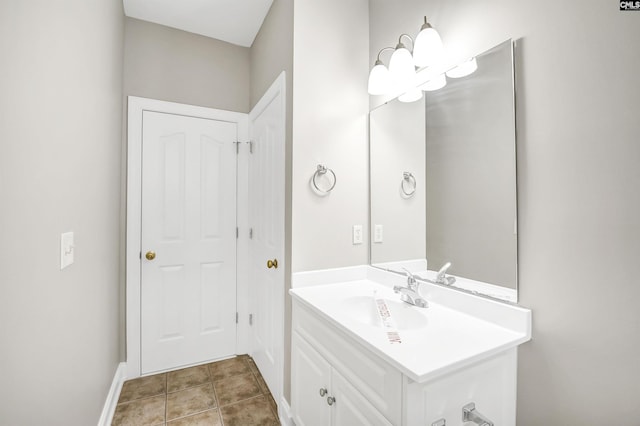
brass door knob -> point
(150, 255)
(272, 263)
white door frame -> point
(276, 90)
(136, 106)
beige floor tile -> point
(252, 412)
(143, 387)
(237, 388)
(190, 401)
(228, 368)
(147, 411)
(187, 397)
(207, 418)
(187, 378)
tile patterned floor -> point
(224, 393)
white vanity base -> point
(343, 374)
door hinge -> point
(250, 147)
(140, 256)
(237, 146)
(237, 232)
(236, 317)
(250, 319)
(251, 233)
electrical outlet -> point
(377, 234)
(357, 234)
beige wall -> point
(396, 139)
(272, 53)
(578, 199)
(60, 115)
(330, 106)
(172, 65)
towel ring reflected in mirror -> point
(408, 184)
(321, 171)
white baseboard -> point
(114, 393)
(284, 412)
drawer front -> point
(376, 380)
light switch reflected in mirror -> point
(459, 143)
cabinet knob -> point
(331, 400)
(323, 391)
(272, 263)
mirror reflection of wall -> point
(459, 143)
(397, 135)
(470, 163)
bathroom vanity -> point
(460, 351)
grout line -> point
(192, 414)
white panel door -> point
(266, 219)
(188, 290)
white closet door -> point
(188, 290)
(266, 218)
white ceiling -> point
(234, 21)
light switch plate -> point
(357, 234)
(66, 249)
(377, 234)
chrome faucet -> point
(442, 277)
(409, 294)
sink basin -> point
(363, 310)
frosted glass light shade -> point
(428, 49)
(434, 84)
(401, 67)
(379, 80)
(411, 95)
(464, 69)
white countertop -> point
(447, 338)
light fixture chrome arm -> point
(401, 45)
(378, 60)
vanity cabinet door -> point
(350, 408)
(310, 385)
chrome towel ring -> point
(322, 170)
(408, 184)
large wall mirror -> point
(443, 180)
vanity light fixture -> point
(401, 75)
(379, 77)
(464, 69)
(411, 95)
(428, 49)
(401, 66)
(438, 82)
